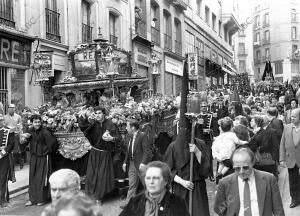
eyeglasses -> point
(238, 169)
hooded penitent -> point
(183, 137)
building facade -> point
(157, 43)
(209, 28)
(52, 27)
(243, 41)
(276, 40)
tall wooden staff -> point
(193, 112)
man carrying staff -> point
(7, 141)
(41, 145)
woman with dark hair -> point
(157, 199)
(256, 123)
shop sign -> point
(85, 63)
(14, 52)
(142, 55)
(193, 66)
(43, 64)
(173, 66)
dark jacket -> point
(227, 202)
(171, 205)
(141, 150)
(256, 140)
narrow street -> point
(111, 207)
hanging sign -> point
(193, 66)
(43, 65)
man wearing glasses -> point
(248, 192)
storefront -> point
(15, 54)
(173, 74)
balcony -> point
(168, 42)
(52, 25)
(86, 33)
(266, 41)
(155, 35)
(113, 40)
(181, 4)
(140, 27)
(230, 19)
(266, 58)
(178, 47)
(242, 53)
(256, 44)
(257, 61)
(7, 16)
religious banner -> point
(193, 66)
(43, 66)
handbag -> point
(263, 159)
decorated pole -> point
(192, 113)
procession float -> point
(101, 75)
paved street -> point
(111, 207)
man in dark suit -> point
(137, 156)
(248, 192)
(290, 155)
(275, 123)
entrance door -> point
(3, 88)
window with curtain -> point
(241, 48)
(85, 8)
(214, 18)
(190, 42)
(207, 11)
(267, 52)
(266, 19)
(267, 35)
(199, 7)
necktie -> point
(247, 200)
(130, 148)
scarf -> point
(152, 204)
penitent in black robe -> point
(100, 178)
(200, 198)
(42, 144)
(7, 142)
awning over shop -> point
(96, 84)
(227, 71)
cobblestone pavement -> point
(111, 207)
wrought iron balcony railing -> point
(7, 14)
(52, 25)
(87, 33)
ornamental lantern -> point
(194, 101)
